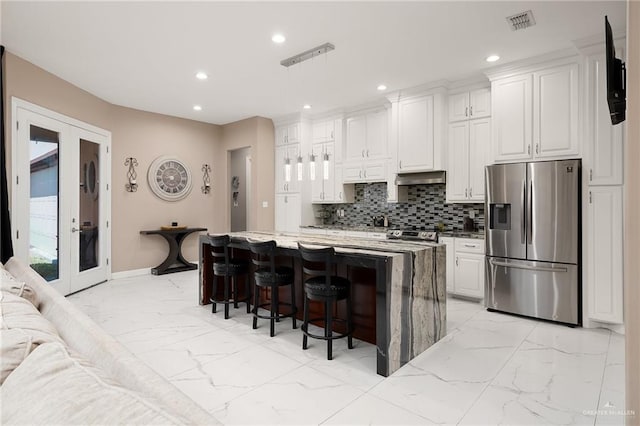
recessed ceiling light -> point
(382, 87)
(197, 108)
(278, 38)
(492, 58)
(201, 75)
(307, 106)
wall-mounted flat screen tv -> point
(616, 78)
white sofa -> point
(59, 367)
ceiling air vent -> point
(522, 20)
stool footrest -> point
(267, 307)
(334, 336)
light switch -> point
(265, 204)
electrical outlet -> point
(472, 213)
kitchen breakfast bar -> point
(398, 288)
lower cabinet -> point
(288, 212)
(604, 268)
(465, 266)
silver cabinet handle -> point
(360, 173)
(529, 149)
(340, 195)
(465, 193)
(456, 261)
(470, 110)
(537, 148)
(590, 174)
(466, 111)
(365, 174)
(471, 245)
(367, 153)
(590, 198)
(363, 153)
(470, 192)
(400, 164)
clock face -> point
(169, 178)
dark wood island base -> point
(399, 295)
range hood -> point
(421, 178)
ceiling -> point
(144, 55)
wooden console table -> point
(174, 262)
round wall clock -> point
(169, 178)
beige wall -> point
(146, 136)
(632, 216)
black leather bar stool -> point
(324, 286)
(268, 275)
(229, 269)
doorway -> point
(240, 190)
(60, 197)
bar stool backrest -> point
(265, 251)
(323, 255)
(220, 256)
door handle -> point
(527, 267)
(471, 245)
(522, 213)
(530, 214)
(74, 229)
(360, 173)
(537, 148)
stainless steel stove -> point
(412, 235)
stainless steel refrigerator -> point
(533, 240)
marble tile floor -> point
(490, 368)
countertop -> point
(462, 234)
(364, 228)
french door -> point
(60, 197)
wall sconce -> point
(312, 166)
(132, 184)
(206, 179)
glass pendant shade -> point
(300, 166)
(287, 170)
(325, 166)
(312, 167)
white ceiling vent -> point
(522, 20)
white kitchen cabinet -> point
(288, 213)
(288, 134)
(469, 142)
(421, 129)
(323, 131)
(343, 193)
(465, 266)
(535, 114)
(467, 105)
(448, 242)
(282, 153)
(367, 136)
(555, 111)
(323, 187)
(360, 172)
(604, 254)
(605, 146)
(512, 103)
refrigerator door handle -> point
(530, 214)
(530, 268)
(522, 214)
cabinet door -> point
(480, 103)
(281, 135)
(294, 213)
(317, 183)
(469, 275)
(604, 254)
(280, 156)
(459, 107)
(479, 146)
(352, 172)
(319, 131)
(605, 140)
(338, 185)
(512, 126)
(377, 135)
(415, 135)
(293, 133)
(555, 111)
(375, 171)
(448, 242)
(281, 212)
(356, 138)
(458, 172)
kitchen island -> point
(398, 287)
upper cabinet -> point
(420, 134)
(535, 114)
(604, 152)
(469, 142)
(474, 104)
(367, 136)
(288, 134)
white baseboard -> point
(131, 273)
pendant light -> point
(300, 165)
(312, 166)
(287, 170)
(325, 165)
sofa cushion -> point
(15, 345)
(18, 313)
(52, 387)
(11, 285)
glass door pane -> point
(44, 204)
(89, 206)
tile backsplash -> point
(425, 209)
